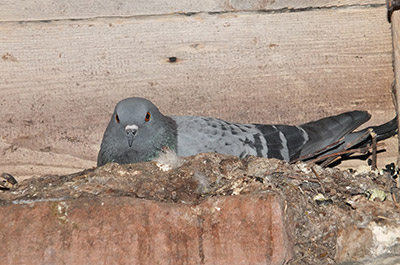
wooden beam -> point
(77, 9)
(395, 22)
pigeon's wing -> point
(282, 141)
(297, 141)
(199, 134)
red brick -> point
(121, 230)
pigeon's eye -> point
(147, 118)
(117, 118)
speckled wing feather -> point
(200, 134)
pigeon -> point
(139, 132)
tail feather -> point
(386, 130)
(326, 131)
(382, 132)
(361, 138)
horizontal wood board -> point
(77, 9)
(60, 80)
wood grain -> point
(77, 9)
(396, 62)
(60, 80)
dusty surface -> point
(325, 229)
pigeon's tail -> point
(357, 139)
(386, 130)
(327, 131)
(362, 138)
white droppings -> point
(62, 212)
(303, 167)
(202, 181)
(384, 237)
(39, 200)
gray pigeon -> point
(138, 132)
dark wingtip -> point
(362, 113)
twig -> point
(305, 157)
(302, 179)
(339, 153)
(319, 180)
(329, 161)
(334, 156)
(373, 157)
(394, 197)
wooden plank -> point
(77, 9)
(396, 60)
(60, 80)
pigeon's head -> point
(137, 119)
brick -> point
(122, 230)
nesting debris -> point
(376, 194)
(322, 202)
(7, 182)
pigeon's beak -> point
(130, 133)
